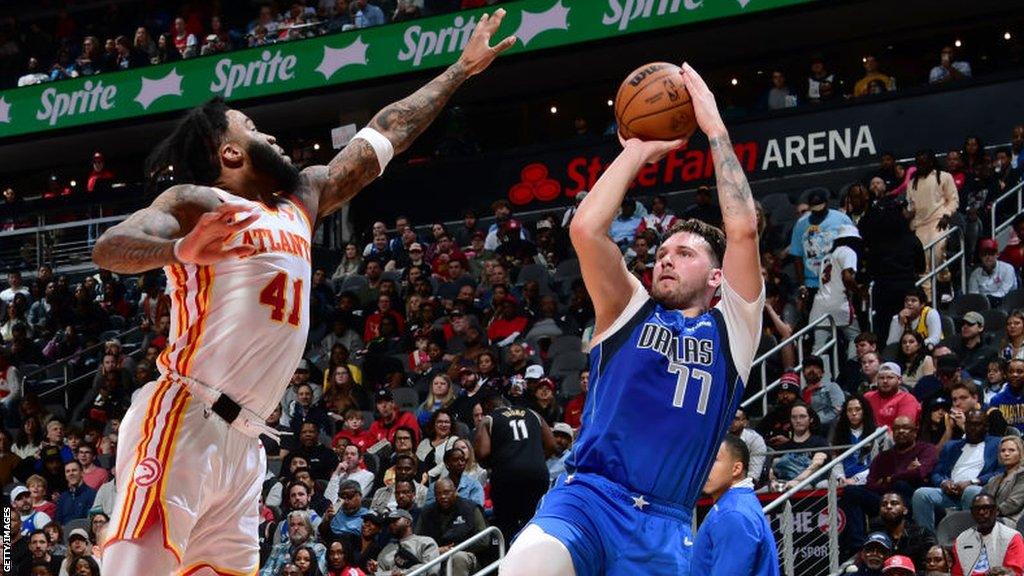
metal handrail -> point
(75, 224)
(763, 358)
(462, 546)
(810, 480)
(992, 213)
(933, 274)
(82, 352)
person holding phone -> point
(949, 68)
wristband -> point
(381, 146)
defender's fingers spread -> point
(238, 224)
(505, 44)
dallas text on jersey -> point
(689, 351)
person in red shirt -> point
(354, 432)
(372, 327)
(889, 402)
(100, 175)
(391, 418)
(574, 408)
(507, 321)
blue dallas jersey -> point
(663, 390)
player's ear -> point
(232, 155)
(715, 278)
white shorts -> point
(184, 471)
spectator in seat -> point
(993, 278)
(1012, 344)
(563, 434)
(184, 41)
(901, 469)
(940, 382)
(348, 513)
(660, 218)
(450, 521)
(933, 200)
(821, 84)
(624, 226)
(349, 469)
(438, 437)
(970, 346)
(1007, 487)
(949, 68)
(916, 316)
(703, 208)
(908, 539)
(304, 410)
(321, 459)
(1010, 401)
(856, 421)
(791, 468)
(39, 555)
(341, 557)
(574, 407)
(869, 365)
(407, 550)
(995, 379)
(392, 418)
(871, 74)
(938, 562)
(508, 322)
(914, 360)
(30, 519)
(365, 15)
(755, 444)
(353, 431)
(775, 426)
(989, 544)
(467, 487)
(812, 237)
(350, 264)
(898, 565)
(889, 401)
(300, 535)
(406, 468)
(964, 467)
(780, 95)
(872, 556)
(822, 395)
(299, 377)
(77, 500)
(94, 476)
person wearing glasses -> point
(989, 544)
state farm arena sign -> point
(793, 142)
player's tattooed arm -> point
(734, 194)
(146, 239)
(403, 121)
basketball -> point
(653, 104)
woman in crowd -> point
(97, 524)
(17, 313)
(487, 371)
(86, 566)
(344, 393)
(10, 389)
(165, 50)
(305, 559)
(1008, 486)
(856, 421)
(29, 438)
(914, 359)
(1012, 345)
(995, 378)
(340, 558)
(438, 436)
(544, 402)
(938, 561)
(792, 467)
(517, 359)
(442, 394)
(934, 421)
(350, 265)
(55, 536)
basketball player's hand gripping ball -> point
(479, 53)
(205, 243)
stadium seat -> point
(353, 284)
(1013, 300)
(952, 525)
(969, 303)
(948, 326)
(565, 344)
(118, 322)
(779, 209)
(406, 399)
(995, 320)
(569, 385)
(393, 275)
(538, 273)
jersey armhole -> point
(636, 302)
(299, 205)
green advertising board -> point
(340, 58)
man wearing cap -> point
(21, 501)
(993, 278)
(406, 551)
(543, 401)
(940, 383)
(450, 521)
(837, 287)
(78, 546)
(820, 393)
(563, 442)
(901, 469)
(100, 177)
(735, 537)
(755, 444)
(813, 234)
(988, 544)
(916, 316)
(775, 426)
(876, 550)
(392, 418)
(971, 348)
(888, 401)
(1010, 400)
(964, 467)
(898, 565)
(348, 512)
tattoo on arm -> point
(733, 189)
(402, 122)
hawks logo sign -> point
(148, 472)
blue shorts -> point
(606, 532)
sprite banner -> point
(339, 58)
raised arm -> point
(402, 122)
(608, 282)
(742, 263)
(194, 214)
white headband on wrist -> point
(381, 146)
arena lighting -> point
(74, 183)
(734, 81)
(170, 168)
(554, 109)
(611, 102)
(1007, 35)
(316, 146)
(958, 43)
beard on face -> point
(267, 161)
(678, 297)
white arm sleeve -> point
(743, 325)
(381, 146)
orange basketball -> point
(653, 104)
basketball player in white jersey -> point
(235, 244)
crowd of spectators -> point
(414, 330)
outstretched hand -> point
(704, 107)
(651, 150)
(479, 53)
(205, 243)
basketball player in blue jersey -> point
(667, 372)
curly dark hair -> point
(190, 152)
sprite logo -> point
(92, 97)
(268, 69)
(624, 12)
(419, 42)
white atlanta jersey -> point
(239, 326)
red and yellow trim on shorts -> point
(180, 278)
(193, 569)
(132, 526)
